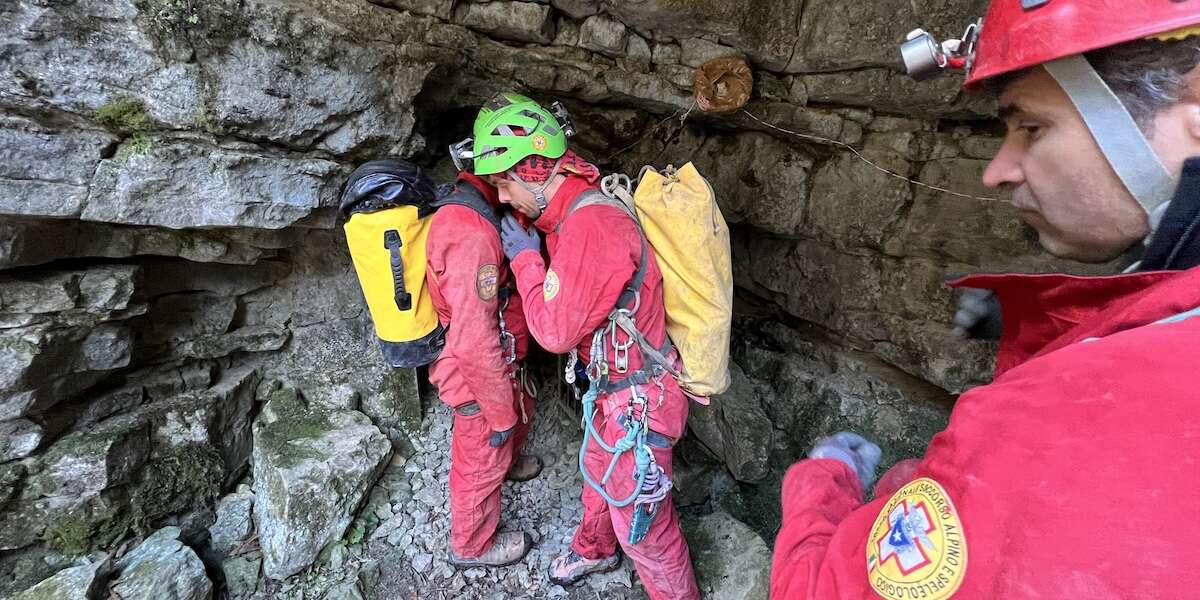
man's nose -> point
(1005, 168)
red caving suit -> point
(1075, 474)
(466, 275)
(592, 258)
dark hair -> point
(1148, 75)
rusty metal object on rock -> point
(723, 84)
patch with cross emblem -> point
(917, 548)
(550, 287)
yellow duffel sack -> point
(681, 220)
(388, 250)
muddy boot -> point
(527, 467)
(508, 548)
(572, 568)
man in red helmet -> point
(478, 372)
(1073, 474)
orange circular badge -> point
(917, 548)
(550, 286)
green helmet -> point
(497, 147)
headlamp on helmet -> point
(925, 58)
(463, 155)
(564, 118)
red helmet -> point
(1054, 34)
(1018, 34)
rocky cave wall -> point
(170, 257)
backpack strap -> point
(612, 196)
(591, 197)
(466, 195)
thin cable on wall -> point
(860, 156)
(723, 85)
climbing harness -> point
(508, 341)
(518, 375)
(652, 481)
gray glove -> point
(498, 438)
(852, 449)
(978, 315)
(516, 239)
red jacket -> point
(1075, 474)
(466, 274)
(592, 258)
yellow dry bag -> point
(681, 220)
(388, 250)
(388, 205)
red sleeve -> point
(817, 495)
(465, 256)
(592, 263)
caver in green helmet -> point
(497, 145)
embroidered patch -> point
(538, 141)
(917, 548)
(550, 288)
(487, 281)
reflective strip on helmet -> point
(1118, 136)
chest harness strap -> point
(653, 484)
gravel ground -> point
(410, 543)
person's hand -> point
(517, 239)
(852, 449)
(498, 438)
(978, 315)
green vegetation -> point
(137, 145)
(124, 114)
(170, 15)
(127, 115)
(202, 120)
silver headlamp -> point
(563, 117)
(924, 57)
(463, 155)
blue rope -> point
(635, 439)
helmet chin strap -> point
(539, 192)
(1120, 139)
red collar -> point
(556, 210)
(1045, 312)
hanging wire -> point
(860, 156)
(657, 126)
(807, 136)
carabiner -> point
(508, 345)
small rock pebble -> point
(411, 547)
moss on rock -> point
(124, 114)
(180, 479)
(277, 437)
(93, 527)
(138, 144)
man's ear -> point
(1191, 106)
